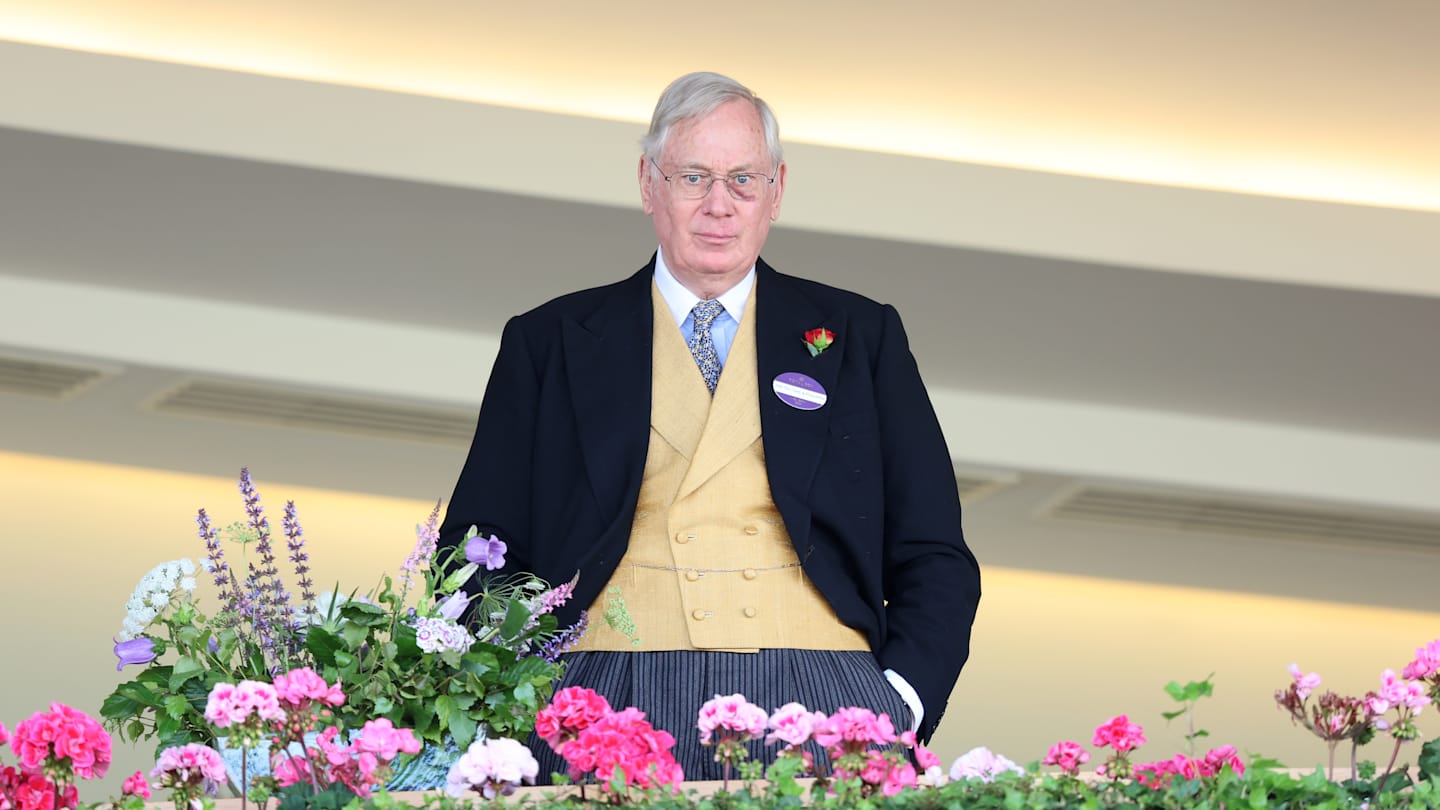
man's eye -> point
(743, 179)
(692, 179)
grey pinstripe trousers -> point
(670, 686)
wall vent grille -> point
(44, 379)
(318, 411)
(1232, 516)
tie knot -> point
(706, 312)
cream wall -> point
(1053, 654)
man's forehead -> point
(719, 139)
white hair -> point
(697, 94)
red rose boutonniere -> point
(818, 340)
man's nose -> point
(717, 199)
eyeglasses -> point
(693, 185)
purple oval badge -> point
(799, 391)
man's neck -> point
(681, 297)
(705, 287)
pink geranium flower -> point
(732, 717)
(1426, 664)
(853, 729)
(791, 724)
(1304, 684)
(191, 769)
(234, 704)
(298, 688)
(1119, 733)
(1068, 756)
(63, 738)
(571, 711)
(624, 745)
(136, 785)
(381, 738)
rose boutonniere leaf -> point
(818, 340)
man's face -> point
(711, 242)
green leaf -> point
(185, 668)
(322, 644)
(354, 635)
(525, 694)
(176, 706)
(462, 729)
(1430, 761)
(1172, 715)
(516, 616)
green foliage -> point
(1430, 762)
(1187, 696)
(1258, 789)
(367, 645)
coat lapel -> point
(794, 439)
(607, 361)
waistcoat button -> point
(684, 537)
(750, 573)
(750, 612)
(692, 575)
(751, 530)
(698, 615)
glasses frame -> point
(770, 178)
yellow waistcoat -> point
(709, 565)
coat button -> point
(750, 612)
(692, 575)
(749, 573)
(752, 530)
(698, 615)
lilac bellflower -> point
(135, 651)
(452, 606)
(486, 551)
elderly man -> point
(743, 466)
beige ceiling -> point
(1323, 99)
(353, 197)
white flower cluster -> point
(439, 635)
(153, 594)
(492, 767)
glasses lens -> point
(747, 186)
(695, 185)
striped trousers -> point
(670, 686)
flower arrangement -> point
(443, 649)
(855, 757)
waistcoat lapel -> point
(679, 415)
(734, 418)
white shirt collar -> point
(680, 300)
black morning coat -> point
(865, 483)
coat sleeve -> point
(493, 490)
(931, 580)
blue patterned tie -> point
(702, 346)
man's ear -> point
(647, 187)
(779, 192)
